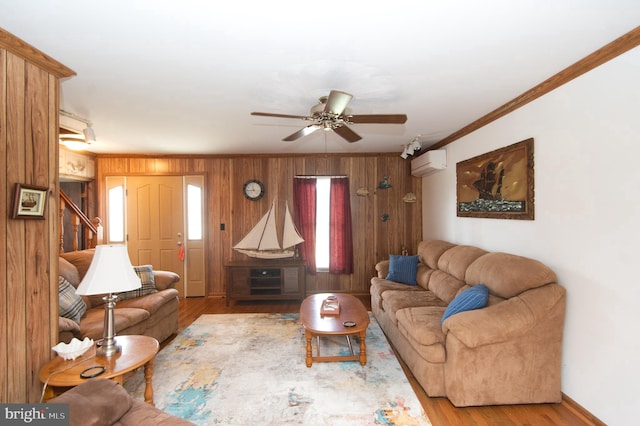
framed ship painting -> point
(498, 184)
(29, 202)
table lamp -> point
(110, 272)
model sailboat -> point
(262, 241)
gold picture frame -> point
(498, 184)
(29, 202)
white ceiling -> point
(169, 77)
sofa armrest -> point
(66, 324)
(383, 268)
(68, 329)
(509, 319)
(96, 401)
(165, 279)
(493, 324)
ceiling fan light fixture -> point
(319, 107)
(331, 113)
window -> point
(194, 212)
(323, 217)
(116, 214)
(115, 209)
(323, 191)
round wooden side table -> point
(137, 351)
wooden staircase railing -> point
(92, 229)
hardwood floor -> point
(439, 410)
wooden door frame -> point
(102, 207)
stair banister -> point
(92, 228)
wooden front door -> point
(155, 223)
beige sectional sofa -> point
(154, 314)
(508, 352)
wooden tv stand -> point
(261, 279)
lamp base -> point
(109, 346)
(108, 349)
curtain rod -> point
(318, 176)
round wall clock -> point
(253, 189)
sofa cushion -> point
(396, 300)
(444, 285)
(150, 302)
(403, 269)
(493, 299)
(68, 271)
(473, 298)
(380, 285)
(70, 304)
(456, 260)
(421, 327)
(423, 275)
(424, 323)
(148, 284)
(92, 324)
(66, 324)
(80, 259)
(507, 275)
(431, 250)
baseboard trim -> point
(580, 411)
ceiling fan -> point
(331, 113)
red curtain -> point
(304, 201)
(340, 238)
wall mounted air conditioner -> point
(429, 162)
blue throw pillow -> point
(472, 298)
(403, 269)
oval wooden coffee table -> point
(315, 324)
(137, 351)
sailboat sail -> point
(262, 240)
(290, 235)
(263, 235)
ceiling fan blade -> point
(347, 133)
(302, 132)
(378, 118)
(337, 102)
(269, 114)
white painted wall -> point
(586, 228)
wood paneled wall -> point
(29, 104)
(225, 176)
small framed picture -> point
(29, 202)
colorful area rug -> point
(249, 369)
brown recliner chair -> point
(99, 402)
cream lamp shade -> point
(110, 272)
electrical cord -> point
(53, 373)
